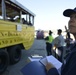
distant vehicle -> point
(40, 34)
(15, 35)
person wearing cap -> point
(49, 43)
(69, 68)
(59, 43)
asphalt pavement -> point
(38, 47)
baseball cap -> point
(68, 12)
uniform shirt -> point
(59, 41)
(50, 39)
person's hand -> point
(49, 66)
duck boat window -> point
(14, 11)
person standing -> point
(59, 44)
(49, 41)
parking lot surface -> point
(38, 47)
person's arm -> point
(51, 70)
(56, 42)
(70, 67)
